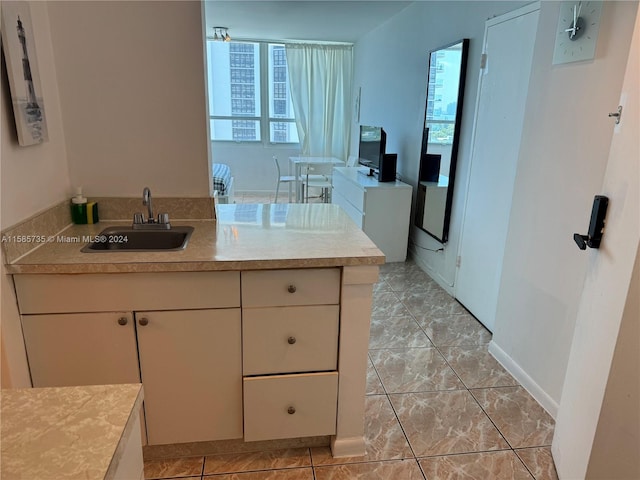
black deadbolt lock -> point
(596, 225)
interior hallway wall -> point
(563, 155)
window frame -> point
(265, 120)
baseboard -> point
(415, 256)
(548, 403)
(347, 447)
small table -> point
(298, 162)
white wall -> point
(36, 177)
(391, 67)
(563, 155)
(33, 179)
(132, 89)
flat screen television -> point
(372, 146)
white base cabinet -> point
(263, 354)
(189, 360)
(381, 209)
(189, 365)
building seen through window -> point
(249, 96)
(442, 99)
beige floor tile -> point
(381, 286)
(438, 423)
(383, 436)
(476, 367)
(289, 474)
(452, 330)
(409, 277)
(396, 332)
(503, 465)
(394, 470)
(269, 460)
(374, 386)
(386, 304)
(399, 267)
(424, 301)
(177, 467)
(522, 421)
(539, 462)
(414, 370)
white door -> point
(502, 94)
(597, 432)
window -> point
(249, 97)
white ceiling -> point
(335, 21)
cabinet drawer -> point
(290, 339)
(349, 190)
(127, 291)
(271, 288)
(355, 214)
(290, 406)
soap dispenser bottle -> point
(79, 207)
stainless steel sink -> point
(126, 239)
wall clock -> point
(577, 32)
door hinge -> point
(483, 61)
(458, 260)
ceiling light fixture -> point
(221, 34)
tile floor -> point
(438, 405)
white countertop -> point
(245, 236)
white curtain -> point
(320, 78)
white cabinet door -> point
(81, 349)
(191, 365)
(502, 94)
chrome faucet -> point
(146, 200)
(151, 224)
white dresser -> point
(381, 209)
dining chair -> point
(315, 181)
(288, 179)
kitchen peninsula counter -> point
(89, 433)
(300, 274)
(244, 236)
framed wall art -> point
(24, 77)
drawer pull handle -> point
(123, 321)
(291, 340)
(292, 289)
(144, 321)
(291, 410)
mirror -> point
(441, 133)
